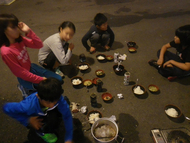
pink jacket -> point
(17, 59)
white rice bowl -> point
(172, 112)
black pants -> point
(102, 39)
(171, 71)
(51, 121)
(50, 60)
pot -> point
(102, 122)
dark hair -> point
(183, 33)
(50, 89)
(5, 21)
(100, 19)
(66, 24)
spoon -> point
(187, 118)
(137, 83)
(118, 69)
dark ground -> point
(151, 23)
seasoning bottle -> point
(116, 55)
(99, 85)
(126, 78)
(93, 100)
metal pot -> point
(101, 122)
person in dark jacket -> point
(99, 33)
(173, 65)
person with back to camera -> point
(14, 53)
(99, 33)
(172, 65)
(42, 111)
(56, 51)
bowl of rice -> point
(83, 67)
(76, 81)
(101, 57)
(93, 116)
(138, 90)
(172, 111)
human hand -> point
(44, 78)
(107, 47)
(68, 142)
(168, 64)
(71, 46)
(160, 62)
(92, 49)
(35, 122)
(23, 27)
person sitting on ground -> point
(42, 111)
(15, 56)
(56, 51)
(172, 65)
(99, 33)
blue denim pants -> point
(37, 70)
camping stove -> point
(176, 135)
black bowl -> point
(121, 67)
(101, 55)
(81, 64)
(131, 44)
(93, 112)
(76, 77)
(141, 87)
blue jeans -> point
(37, 70)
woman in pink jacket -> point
(14, 53)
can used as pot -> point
(99, 130)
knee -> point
(105, 36)
(95, 37)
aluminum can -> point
(126, 78)
(116, 55)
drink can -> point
(116, 55)
(126, 78)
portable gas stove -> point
(176, 135)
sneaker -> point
(57, 71)
(154, 64)
(171, 78)
(48, 137)
(22, 90)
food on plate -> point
(83, 67)
(99, 73)
(100, 57)
(153, 89)
(87, 83)
(94, 117)
(171, 112)
(138, 90)
(76, 81)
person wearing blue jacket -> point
(42, 111)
